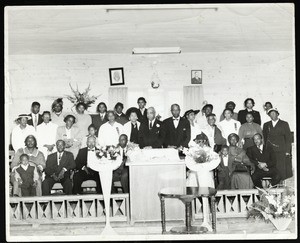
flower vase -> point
(105, 167)
(281, 224)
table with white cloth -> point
(150, 171)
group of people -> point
(58, 144)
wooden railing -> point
(231, 203)
(67, 209)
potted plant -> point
(276, 207)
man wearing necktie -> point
(36, 118)
(265, 162)
(58, 166)
(122, 173)
(176, 130)
(83, 171)
(150, 131)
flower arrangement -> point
(199, 154)
(82, 97)
(108, 152)
(273, 205)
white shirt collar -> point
(275, 122)
(25, 167)
(153, 121)
(178, 118)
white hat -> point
(273, 109)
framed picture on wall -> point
(196, 76)
(116, 76)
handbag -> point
(239, 167)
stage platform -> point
(227, 228)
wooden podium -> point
(147, 178)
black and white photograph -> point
(165, 155)
(116, 76)
(196, 77)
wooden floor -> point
(229, 227)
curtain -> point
(192, 97)
(116, 95)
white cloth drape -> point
(192, 97)
(116, 95)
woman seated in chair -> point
(239, 165)
(36, 159)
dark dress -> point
(279, 139)
(98, 121)
(242, 116)
(122, 119)
(142, 117)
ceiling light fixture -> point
(156, 50)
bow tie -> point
(91, 150)
(175, 119)
(225, 156)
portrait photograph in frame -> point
(196, 76)
(116, 76)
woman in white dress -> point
(46, 135)
(203, 171)
(229, 125)
(190, 115)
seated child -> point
(27, 176)
(223, 170)
(92, 133)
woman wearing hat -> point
(70, 134)
(57, 115)
(239, 165)
(36, 158)
(201, 174)
(195, 128)
(21, 131)
(83, 119)
(277, 134)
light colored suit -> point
(75, 138)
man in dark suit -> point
(120, 116)
(84, 172)
(142, 111)
(176, 130)
(122, 173)
(277, 135)
(264, 160)
(58, 166)
(101, 118)
(249, 103)
(150, 131)
(36, 118)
